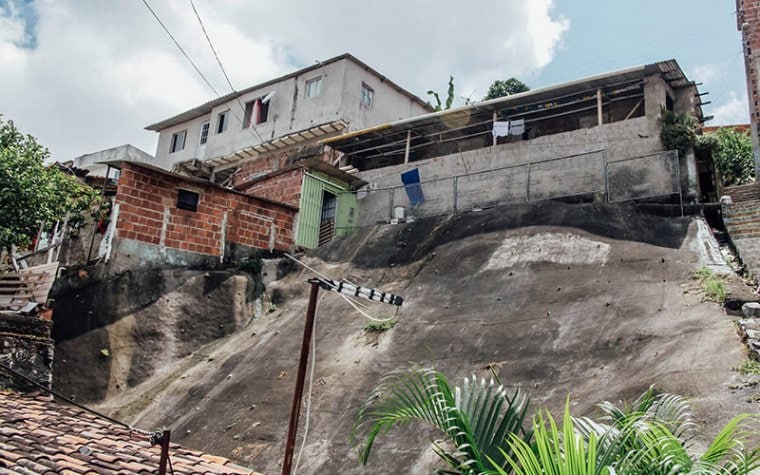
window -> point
(187, 200)
(314, 87)
(222, 122)
(256, 112)
(204, 132)
(178, 141)
(368, 96)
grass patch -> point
(379, 327)
(750, 368)
(713, 286)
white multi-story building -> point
(332, 97)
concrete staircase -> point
(742, 220)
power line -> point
(13, 373)
(205, 33)
(145, 2)
(227, 78)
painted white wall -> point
(127, 152)
(291, 111)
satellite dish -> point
(268, 97)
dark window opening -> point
(327, 219)
(187, 200)
(178, 142)
(222, 122)
(256, 112)
(668, 102)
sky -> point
(86, 75)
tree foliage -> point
(507, 87)
(678, 131)
(449, 97)
(30, 192)
(731, 152)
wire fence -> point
(589, 174)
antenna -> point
(268, 97)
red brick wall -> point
(144, 196)
(284, 187)
(748, 23)
(259, 166)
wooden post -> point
(164, 452)
(494, 121)
(296, 409)
(408, 145)
(599, 106)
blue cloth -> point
(411, 181)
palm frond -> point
(475, 419)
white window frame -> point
(203, 138)
(177, 144)
(223, 122)
(367, 96)
(313, 87)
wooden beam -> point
(408, 144)
(599, 106)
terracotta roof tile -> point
(39, 436)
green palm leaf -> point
(475, 419)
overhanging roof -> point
(458, 122)
(206, 108)
(295, 138)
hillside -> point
(594, 301)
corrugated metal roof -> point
(455, 122)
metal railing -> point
(649, 176)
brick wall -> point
(748, 23)
(148, 213)
(741, 193)
(742, 220)
(283, 187)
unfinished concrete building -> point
(572, 139)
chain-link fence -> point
(584, 174)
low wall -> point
(628, 138)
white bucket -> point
(399, 212)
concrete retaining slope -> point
(591, 301)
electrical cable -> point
(307, 416)
(145, 2)
(15, 373)
(205, 33)
(323, 276)
(226, 77)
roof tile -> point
(40, 436)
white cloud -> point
(101, 71)
(705, 73)
(734, 111)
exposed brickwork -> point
(278, 176)
(283, 187)
(259, 166)
(742, 193)
(748, 23)
(148, 213)
(742, 220)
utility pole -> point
(340, 287)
